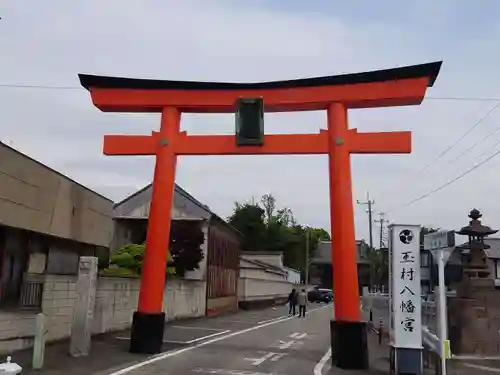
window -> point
(424, 259)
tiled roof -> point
(493, 252)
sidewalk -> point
(110, 351)
(106, 352)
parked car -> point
(320, 295)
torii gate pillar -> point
(335, 94)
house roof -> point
(178, 190)
(264, 265)
(261, 253)
(493, 252)
(2, 144)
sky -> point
(48, 43)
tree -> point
(186, 239)
(269, 203)
(272, 229)
(377, 266)
(248, 218)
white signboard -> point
(405, 286)
(439, 240)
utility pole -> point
(306, 273)
(381, 221)
(370, 204)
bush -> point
(185, 252)
(128, 261)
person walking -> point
(302, 301)
(292, 303)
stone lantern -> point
(474, 314)
(475, 265)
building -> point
(263, 279)
(322, 270)
(426, 283)
(293, 275)
(221, 249)
(47, 221)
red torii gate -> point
(335, 94)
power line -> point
(475, 144)
(435, 190)
(56, 87)
(39, 87)
(447, 149)
(492, 148)
(475, 125)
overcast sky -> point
(50, 42)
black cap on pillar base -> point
(147, 333)
(349, 345)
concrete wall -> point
(250, 289)
(116, 300)
(39, 199)
(260, 273)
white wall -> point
(260, 273)
(250, 289)
(116, 300)
(293, 276)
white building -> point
(263, 280)
(293, 275)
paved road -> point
(249, 343)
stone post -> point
(84, 307)
(39, 344)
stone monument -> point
(81, 329)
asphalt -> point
(256, 342)
(265, 342)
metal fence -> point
(27, 294)
(31, 294)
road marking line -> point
(288, 316)
(274, 319)
(481, 367)
(286, 345)
(261, 360)
(277, 357)
(318, 369)
(200, 328)
(208, 336)
(184, 342)
(222, 371)
(173, 353)
(298, 336)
